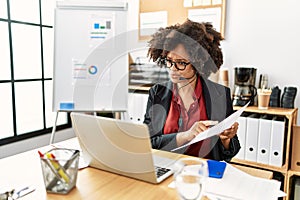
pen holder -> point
(60, 168)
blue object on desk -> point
(216, 168)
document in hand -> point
(217, 129)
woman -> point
(180, 109)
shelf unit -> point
(291, 116)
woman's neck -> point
(187, 86)
(186, 92)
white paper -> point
(187, 3)
(212, 15)
(197, 2)
(217, 129)
(236, 184)
(239, 185)
(216, 2)
(205, 2)
(151, 21)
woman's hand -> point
(190, 134)
(197, 128)
(226, 135)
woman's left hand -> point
(226, 135)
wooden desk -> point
(25, 169)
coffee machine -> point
(244, 86)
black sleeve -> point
(228, 154)
(155, 118)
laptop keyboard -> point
(161, 171)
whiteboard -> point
(90, 59)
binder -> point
(277, 142)
(251, 137)
(241, 133)
(140, 106)
(137, 103)
(295, 164)
(133, 106)
(264, 137)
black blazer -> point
(218, 107)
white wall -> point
(264, 34)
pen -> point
(55, 166)
(22, 192)
(58, 167)
(41, 154)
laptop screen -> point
(120, 145)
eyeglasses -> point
(180, 65)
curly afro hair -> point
(201, 41)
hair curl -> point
(201, 41)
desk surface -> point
(25, 169)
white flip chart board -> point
(90, 59)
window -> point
(26, 54)
(3, 9)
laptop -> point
(121, 147)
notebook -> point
(121, 147)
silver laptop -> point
(120, 147)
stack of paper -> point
(237, 184)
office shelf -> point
(139, 88)
(291, 116)
(260, 165)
